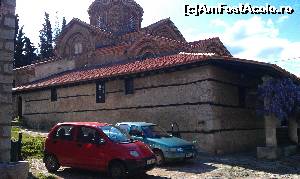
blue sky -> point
(268, 38)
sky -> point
(272, 38)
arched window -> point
(77, 48)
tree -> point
(24, 53)
(46, 40)
(16, 26)
(18, 55)
(282, 96)
(64, 23)
(58, 28)
(29, 52)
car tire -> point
(51, 163)
(117, 170)
(160, 159)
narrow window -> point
(132, 23)
(20, 107)
(242, 97)
(129, 87)
(100, 92)
(78, 48)
(53, 94)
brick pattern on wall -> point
(7, 32)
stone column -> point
(7, 33)
(293, 126)
(270, 122)
(270, 131)
(270, 151)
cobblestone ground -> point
(233, 166)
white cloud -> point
(219, 22)
(282, 19)
(257, 39)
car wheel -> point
(117, 170)
(51, 163)
(160, 159)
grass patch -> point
(32, 146)
(43, 176)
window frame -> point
(129, 86)
(78, 48)
(100, 92)
(53, 94)
(85, 141)
(71, 134)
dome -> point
(117, 16)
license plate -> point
(189, 155)
(151, 161)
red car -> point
(96, 146)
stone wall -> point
(7, 32)
(204, 101)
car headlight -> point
(134, 153)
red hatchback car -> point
(96, 146)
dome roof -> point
(103, 4)
(116, 16)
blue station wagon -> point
(165, 146)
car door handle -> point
(54, 142)
(79, 145)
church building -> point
(114, 70)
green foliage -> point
(19, 44)
(43, 176)
(32, 146)
(46, 39)
(24, 53)
(29, 52)
(59, 26)
(64, 23)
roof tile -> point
(132, 68)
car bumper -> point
(177, 156)
(135, 166)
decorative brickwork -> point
(116, 16)
(7, 31)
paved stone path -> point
(230, 166)
(234, 166)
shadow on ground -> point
(193, 166)
(71, 173)
(285, 165)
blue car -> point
(165, 146)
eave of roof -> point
(45, 61)
(148, 65)
(162, 22)
(80, 22)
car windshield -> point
(154, 132)
(115, 134)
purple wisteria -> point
(282, 97)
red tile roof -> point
(133, 68)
